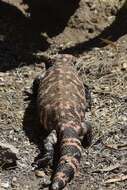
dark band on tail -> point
(70, 154)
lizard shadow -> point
(113, 32)
(31, 124)
(35, 132)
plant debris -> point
(117, 179)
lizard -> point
(61, 104)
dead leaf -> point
(117, 146)
(117, 179)
(110, 168)
(122, 146)
(109, 42)
(112, 146)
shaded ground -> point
(29, 30)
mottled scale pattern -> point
(61, 106)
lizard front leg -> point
(32, 95)
(36, 84)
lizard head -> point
(64, 58)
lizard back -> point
(61, 96)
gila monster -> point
(61, 103)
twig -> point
(116, 179)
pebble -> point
(5, 184)
(124, 66)
(13, 182)
(8, 154)
(39, 173)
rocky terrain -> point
(95, 32)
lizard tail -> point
(70, 154)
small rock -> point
(13, 182)
(5, 185)
(39, 173)
(124, 66)
(8, 155)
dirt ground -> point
(96, 33)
